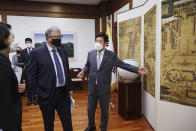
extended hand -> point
(143, 70)
(21, 87)
(81, 74)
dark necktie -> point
(29, 51)
(58, 68)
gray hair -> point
(50, 30)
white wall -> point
(122, 9)
(23, 26)
(137, 3)
(163, 116)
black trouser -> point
(28, 91)
(60, 102)
(27, 88)
(92, 106)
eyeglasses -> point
(60, 36)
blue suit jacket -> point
(42, 76)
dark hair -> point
(103, 35)
(7, 25)
(28, 39)
(4, 34)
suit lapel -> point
(94, 58)
(26, 51)
(48, 57)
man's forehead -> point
(55, 32)
(99, 38)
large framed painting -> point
(178, 53)
(150, 49)
(130, 39)
(68, 39)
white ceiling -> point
(87, 2)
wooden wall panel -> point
(97, 26)
(59, 10)
(103, 23)
(42, 7)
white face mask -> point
(98, 46)
(29, 45)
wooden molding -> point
(130, 4)
(103, 23)
(109, 7)
(3, 16)
(31, 8)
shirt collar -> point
(29, 49)
(50, 48)
(102, 52)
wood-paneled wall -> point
(61, 10)
(43, 9)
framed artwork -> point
(68, 42)
(178, 52)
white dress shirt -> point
(51, 54)
(101, 58)
(29, 50)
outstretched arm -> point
(128, 67)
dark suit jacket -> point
(103, 75)
(25, 57)
(42, 76)
(10, 101)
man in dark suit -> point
(50, 80)
(100, 63)
(25, 55)
(10, 100)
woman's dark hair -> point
(7, 25)
(4, 34)
(103, 35)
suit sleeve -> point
(87, 66)
(69, 83)
(33, 68)
(123, 65)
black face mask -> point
(56, 42)
(18, 51)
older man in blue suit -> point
(50, 79)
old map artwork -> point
(130, 39)
(178, 55)
(150, 49)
